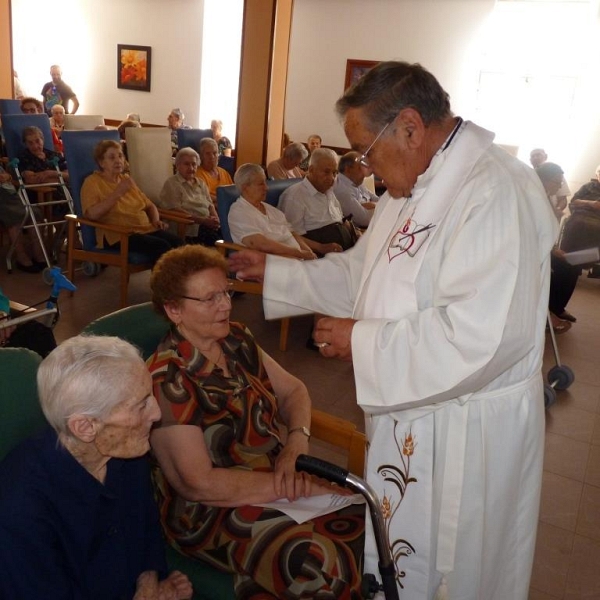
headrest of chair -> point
(83, 122)
(276, 187)
(191, 137)
(13, 125)
(10, 106)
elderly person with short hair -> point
(223, 143)
(288, 166)
(221, 450)
(175, 121)
(312, 208)
(354, 198)
(108, 196)
(209, 170)
(57, 118)
(36, 163)
(258, 225)
(78, 519)
(314, 141)
(185, 193)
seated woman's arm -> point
(258, 241)
(33, 177)
(581, 203)
(97, 208)
(154, 216)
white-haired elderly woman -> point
(223, 143)
(78, 519)
(258, 225)
(185, 193)
(288, 166)
(209, 170)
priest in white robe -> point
(441, 306)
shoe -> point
(558, 325)
(29, 268)
(567, 316)
(41, 265)
(594, 272)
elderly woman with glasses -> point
(221, 450)
(77, 515)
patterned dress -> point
(270, 555)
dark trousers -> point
(153, 244)
(562, 283)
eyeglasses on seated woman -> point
(221, 449)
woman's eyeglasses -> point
(214, 298)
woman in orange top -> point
(110, 197)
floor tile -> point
(592, 472)
(565, 456)
(588, 520)
(583, 581)
(570, 421)
(560, 501)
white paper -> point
(305, 509)
(582, 257)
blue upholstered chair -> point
(13, 125)
(191, 137)
(79, 152)
(226, 196)
(9, 106)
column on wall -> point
(263, 77)
(6, 80)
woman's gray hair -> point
(187, 151)
(392, 86)
(207, 142)
(31, 130)
(295, 151)
(86, 375)
(245, 175)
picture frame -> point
(355, 69)
(134, 67)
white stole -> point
(401, 449)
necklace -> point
(216, 362)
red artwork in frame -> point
(134, 67)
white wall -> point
(82, 36)
(437, 33)
(448, 37)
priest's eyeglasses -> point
(214, 298)
(364, 160)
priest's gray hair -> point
(86, 375)
(390, 87)
(246, 175)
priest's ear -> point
(410, 127)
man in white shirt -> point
(441, 307)
(312, 209)
(353, 196)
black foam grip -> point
(321, 468)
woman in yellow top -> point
(110, 197)
(209, 171)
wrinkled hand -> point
(124, 186)
(175, 587)
(248, 264)
(160, 225)
(337, 334)
(211, 222)
(307, 255)
(332, 247)
(288, 481)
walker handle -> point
(321, 468)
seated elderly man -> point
(288, 166)
(354, 198)
(314, 141)
(312, 208)
(185, 193)
(258, 225)
(78, 519)
(175, 121)
(209, 171)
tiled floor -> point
(567, 562)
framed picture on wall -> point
(134, 67)
(355, 69)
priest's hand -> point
(248, 264)
(333, 337)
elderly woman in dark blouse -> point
(78, 519)
(36, 163)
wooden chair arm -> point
(175, 216)
(223, 247)
(105, 226)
